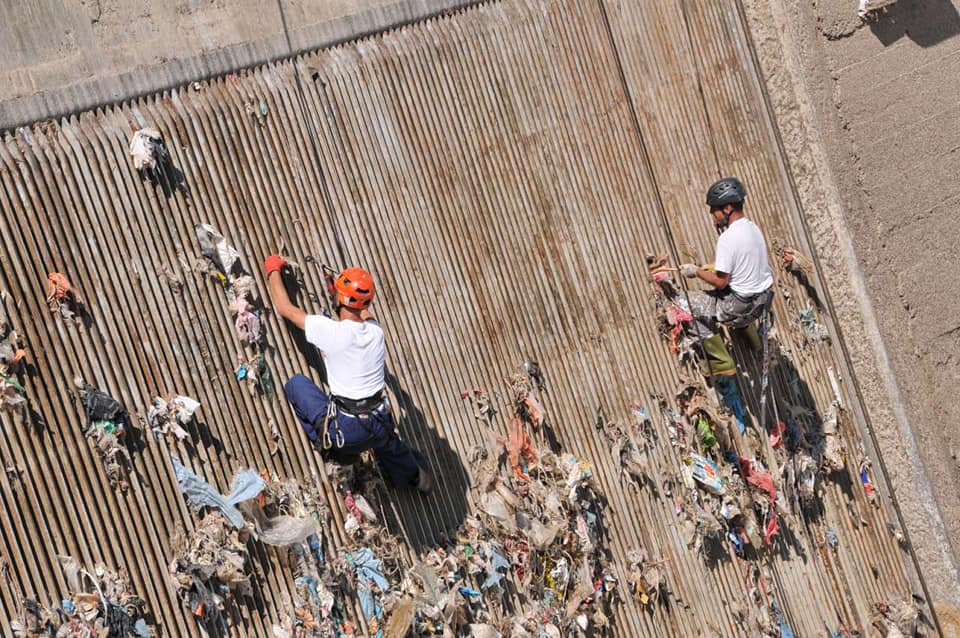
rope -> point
(313, 135)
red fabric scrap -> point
(520, 450)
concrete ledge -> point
(67, 60)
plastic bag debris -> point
(167, 416)
(214, 247)
(146, 148)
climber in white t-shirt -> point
(355, 415)
(741, 275)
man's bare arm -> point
(715, 278)
(281, 301)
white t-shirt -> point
(742, 254)
(354, 352)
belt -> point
(357, 407)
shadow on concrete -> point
(926, 22)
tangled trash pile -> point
(368, 570)
(223, 264)
(99, 605)
(533, 560)
(106, 426)
(210, 564)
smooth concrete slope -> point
(869, 118)
(61, 57)
(502, 171)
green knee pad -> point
(720, 360)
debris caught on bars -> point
(223, 261)
(13, 398)
(106, 426)
(813, 331)
(873, 10)
(792, 260)
(246, 485)
(99, 604)
(276, 439)
(209, 566)
(831, 450)
(146, 148)
(630, 446)
(901, 617)
(482, 404)
(647, 578)
(168, 416)
(62, 298)
(214, 247)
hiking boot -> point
(424, 481)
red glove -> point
(274, 263)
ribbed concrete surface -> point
(487, 168)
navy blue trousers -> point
(374, 431)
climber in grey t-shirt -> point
(741, 274)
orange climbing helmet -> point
(355, 289)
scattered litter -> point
(168, 416)
(99, 605)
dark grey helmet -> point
(728, 190)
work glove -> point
(274, 263)
(689, 270)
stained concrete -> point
(870, 123)
(60, 57)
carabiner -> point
(327, 443)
